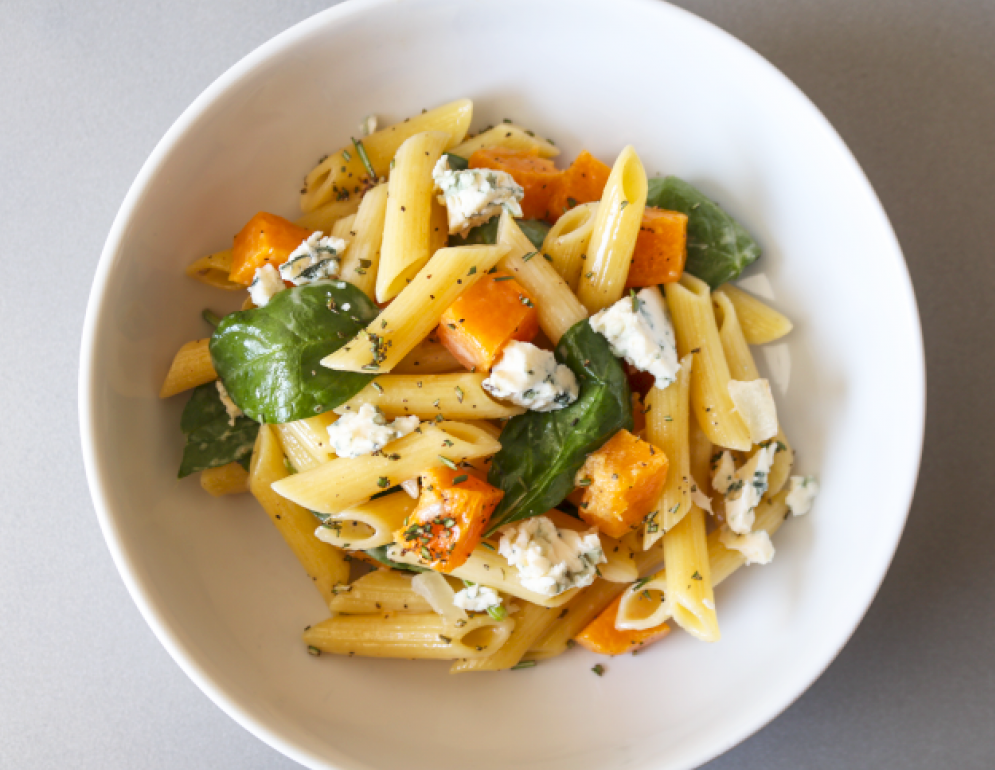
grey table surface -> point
(88, 88)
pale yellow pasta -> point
(416, 310)
(667, 421)
(213, 270)
(454, 396)
(567, 242)
(556, 305)
(428, 357)
(692, 601)
(362, 258)
(510, 136)
(230, 479)
(530, 622)
(761, 323)
(344, 173)
(408, 635)
(613, 239)
(407, 229)
(343, 228)
(702, 451)
(324, 217)
(367, 525)
(325, 564)
(192, 366)
(348, 481)
(380, 591)
(694, 323)
(298, 454)
(312, 434)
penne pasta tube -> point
(367, 525)
(761, 323)
(362, 258)
(214, 270)
(192, 366)
(230, 479)
(613, 239)
(343, 228)
(506, 135)
(348, 481)
(530, 621)
(344, 174)
(325, 565)
(416, 310)
(556, 304)
(692, 601)
(324, 217)
(694, 323)
(297, 452)
(428, 357)
(408, 635)
(567, 242)
(382, 590)
(454, 396)
(407, 230)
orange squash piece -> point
(266, 238)
(661, 248)
(537, 176)
(484, 318)
(601, 636)
(584, 181)
(449, 520)
(622, 482)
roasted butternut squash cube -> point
(484, 318)
(584, 181)
(266, 239)
(661, 248)
(622, 482)
(537, 176)
(450, 518)
(601, 636)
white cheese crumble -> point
(366, 431)
(723, 473)
(638, 328)
(435, 589)
(316, 258)
(801, 494)
(755, 546)
(529, 376)
(748, 486)
(411, 487)
(230, 406)
(699, 498)
(477, 598)
(755, 404)
(265, 284)
(369, 125)
(473, 196)
(551, 560)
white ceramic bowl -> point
(213, 578)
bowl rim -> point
(96, 473)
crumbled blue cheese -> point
(801, 494)
(317, 257)
(551, 560)
(755, 404)
(755, 546)
(639, 329)
(265, 283)
(367, 431)
(477, 598)
(748, 486)
(369, 125)
(473, 196)
(230, 406)
(529, 376)
(723, 471)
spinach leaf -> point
(485, 234)
(535, 230)
(541, 452)
(457, 162)
(211, 440)
(719, 248)
(268, 358)
(380, 554)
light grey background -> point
(86, 90)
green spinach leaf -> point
(268, 358)
(541, 452)
(457, 162)
(535, 230)
(380, 554)
(211, 440)
(719, 248)
(485, 234)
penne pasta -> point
(324, 217)
(454, 396)
(298, 451)
(348, 481)
(362, 258)
(344, 174)
(383, 590)
(367, 525)
(613, 238)
(530, 622)
(694, 323)
(213, 270)
(343, 228)
(416, 310)
(567, 242)
(692, 601)
(230, 479)
(510, 136)
(761, 323)
(428, 357)
(192, 366)
(407, 230)
(325, 565)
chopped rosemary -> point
(365, 158)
